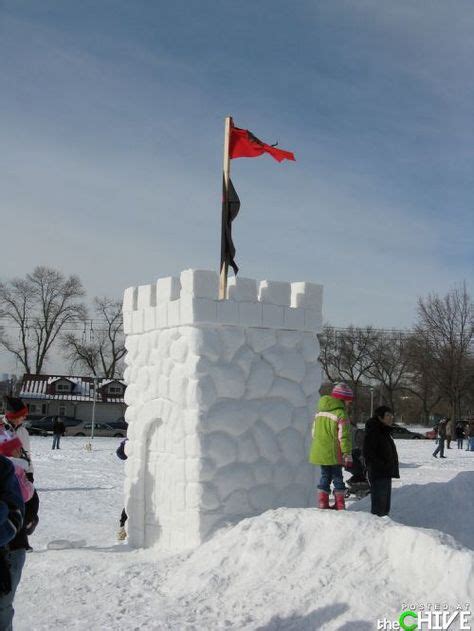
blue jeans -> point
(56, 439)
(331, 473)
(440, 448)
(380, 495)
(460, 443)
(16, 559)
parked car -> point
(100, 429)
(118, 424)
(402, 432)
(44, 426)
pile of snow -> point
(427, 505)
(291, 565)
(287, 569)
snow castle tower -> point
(221, 395)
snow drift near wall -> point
(301, 561)
(427, 504)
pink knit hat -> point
(342, 391)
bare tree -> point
(446, 326)
(103, 352)
(345, 356)
(39, 306)
(389, 363)
(420, 380)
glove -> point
(348, 461)
(5, 577)
(31, 525)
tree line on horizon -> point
(425, 372)
(421, 372)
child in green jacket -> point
(331, 447)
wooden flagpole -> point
(224, 269)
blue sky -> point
(111, 119)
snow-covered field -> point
(287, 569)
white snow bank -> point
(290, 564)
(439, 505)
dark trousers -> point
(440, 448)
(56, 439)
(331, 473)
(460, 443)
(16, 560)
(380, 495)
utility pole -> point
(88, 446)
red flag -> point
(243, 144)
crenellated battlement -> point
(193, 299)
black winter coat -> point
(58, 427)
(379, 450)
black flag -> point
(230, 213)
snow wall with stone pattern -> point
(221, 395)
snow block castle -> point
(221, 396)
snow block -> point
(313, 320)
(200, 284)
(293, 318)
(227, 312)
(149, 318)
(129, 299)
(167, 289)
(146, 296)
(250, 314)
(307, 295)
(272, 316)
(173, 315)
(242, 289)
(128, 322)
(275, 292)
(138, 321)
(197, 310)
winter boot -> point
(323, 499)
(121, 534)
(340, 503)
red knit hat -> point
(9, 444)
(14, 408)
(342, 391)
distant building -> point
(50, 395)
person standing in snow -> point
(381, 459)
(331, 447)
(449, 434)
(15, 414)
(470, 437)
(58, 431)
(441, 438)
(460, 435)
(12, 554)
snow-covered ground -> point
(288, 569)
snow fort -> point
(221, 395)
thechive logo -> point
(430, 617)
